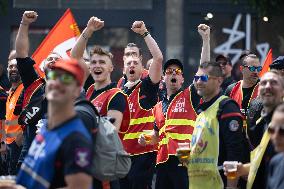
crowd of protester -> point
(228, 114)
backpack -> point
(110, 160)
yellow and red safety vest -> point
(176, 126)
(101, 102)
(141, 119)
(12, 128)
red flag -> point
(267, 62)
(60, 39)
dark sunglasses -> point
(64, 78)
(253, 68)
(273, 130)
(169, 71)
(203, 78)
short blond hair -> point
(100, 51)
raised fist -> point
(29, 17)
(139, 27)
(95, 24)
(204, 31)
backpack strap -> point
(94, 113)
(84, 101)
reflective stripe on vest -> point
(13, 135)
(202, 168)
(177, 126)
(256, 157)
(11, 122)
(141, 119)
(175, 136)
(35, 176)
(12, 125)
(184, 122)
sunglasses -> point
(169, 71)
(203, 78)
(273, 130)
(253, 68)
(64, 78)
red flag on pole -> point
(267, 62)
(60, 39)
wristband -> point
(24, 24)
(145, 34)
(84, 36)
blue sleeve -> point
(27, 71)
(118, 102)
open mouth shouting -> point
(131, 72)
(173, 80)
(98, 72)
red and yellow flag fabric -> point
(60, 39)
(267, 62)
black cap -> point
(171, 62)
(221, 56)
(278, 63)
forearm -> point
(245, 169)
(22, 41)
(155, 70)
(205, 51)
(81, 44)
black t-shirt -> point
(69, 159)
(86, 113)
(148, 93)
(247, 92)
(118, 102)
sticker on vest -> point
(82, 157)
(234, 125)
(180, 106)
(201, 145)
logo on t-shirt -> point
(82, 157)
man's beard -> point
(14, 79)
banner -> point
(60, 39)
(267, 62)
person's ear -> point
(241, 68)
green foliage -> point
(3, 6)
(265, 7)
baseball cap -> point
(71, 66)
(171, 62)
(221, 56)
(278, 63)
